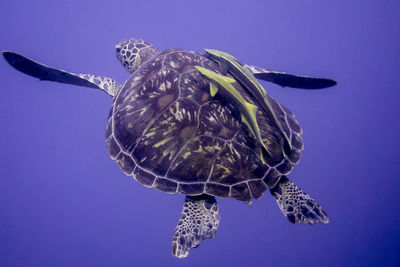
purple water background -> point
(63, 202)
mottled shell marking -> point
(167, 132)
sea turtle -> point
(173, 127)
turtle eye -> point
(118, 49)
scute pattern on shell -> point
(167, 132)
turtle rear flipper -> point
(47, 73)
(296, 205)
(199, 220)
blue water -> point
(64, 202)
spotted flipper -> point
(289, 80)
(47, 73)
(199, 220)
(296, 205)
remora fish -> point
(230, 64)
(247, 110)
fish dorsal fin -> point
(253, 108)
(213, 89)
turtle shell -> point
(167, 132)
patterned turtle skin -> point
(167, 132)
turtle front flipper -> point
(296, 205)
(47, 73)
(199, 220)
(289, 80)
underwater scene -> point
(212, 133)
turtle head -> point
(134, 52)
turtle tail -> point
(296, 205)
